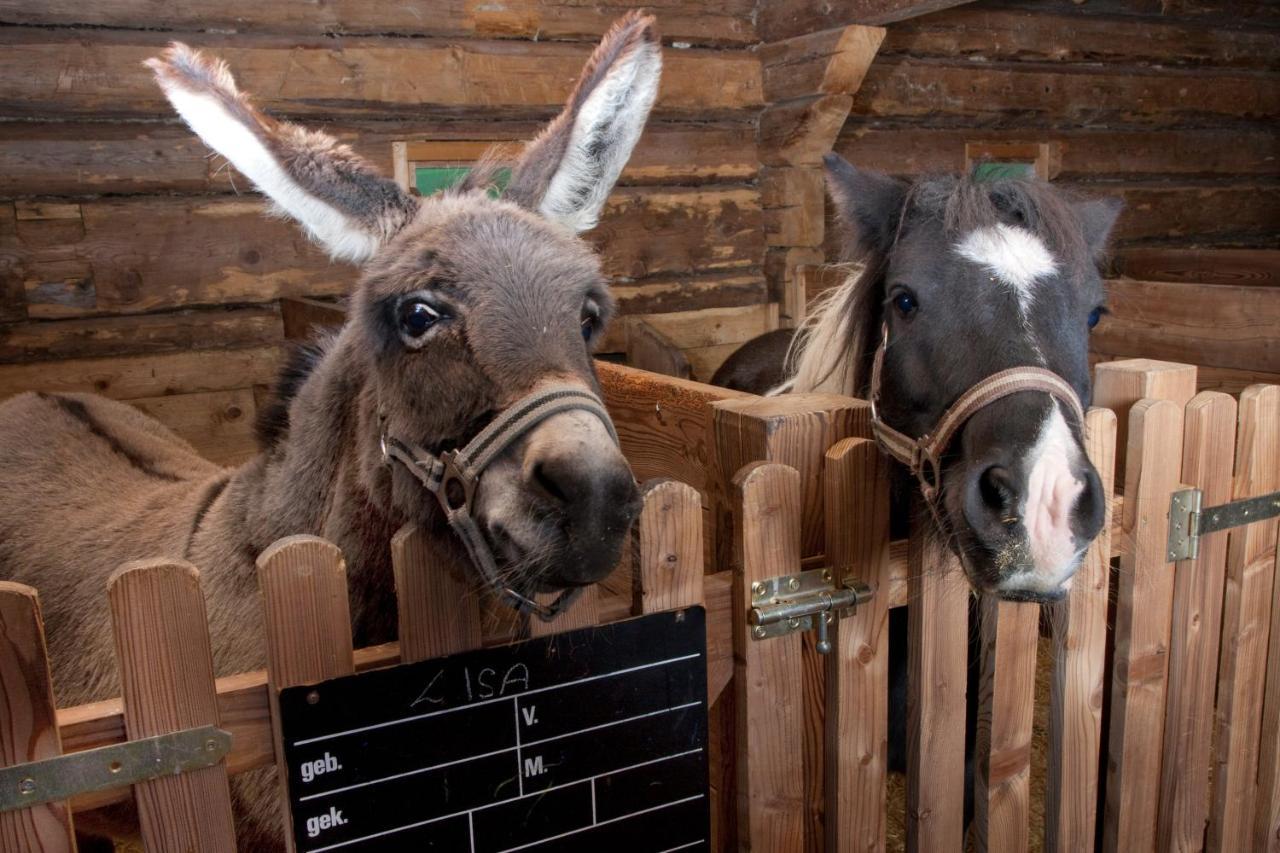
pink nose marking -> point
(1052, 492)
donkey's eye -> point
(1095, 315)
(588, 328)
(416, 317)
(905, 303)
(590, 320)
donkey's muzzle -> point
(597, 500)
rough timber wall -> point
(122, 240)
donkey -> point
(472, 312)
(963, 281)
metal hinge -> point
(802, 602)
(25, 785)
(1188, 521)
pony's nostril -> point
(550, 477)
(999, 491)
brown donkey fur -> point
(467, 303)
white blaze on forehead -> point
(1013, 255)
(1050, 499)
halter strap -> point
(922, 455)
(453, 477)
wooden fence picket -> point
(1143, 612)
(438, 607)
(667, 544)
(308, 627)
(767, 676)
(166, 677)
(1079, 670)
(856, 479)
(28, 724)
(1266, 821)
(1246, 620)
(1197, 618)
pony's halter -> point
(922, 455)
(453, 476)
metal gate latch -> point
(25, 785)
(802, 602)
(1188, 522)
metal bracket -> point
(25, 785)
(802, 602)
(1188, 521)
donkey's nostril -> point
(554, 478)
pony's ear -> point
(566, 173)
(1097, 218)
(868, 205)
(339, 199)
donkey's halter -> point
(922, 455)
(453, 476)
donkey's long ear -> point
(341, 201)
(868, 204)
(567, 172)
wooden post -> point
(856, 484)
(166, 678)
(28, 726)
(1266, 822)
(438, 607)
(1117, 385)
(938, 634)
(667, 544)
(767, 674)
(1079, 671)
(797, 430)
(1143, 612)
(1006, 704)
(308, 627)
(1246, 620)
(1197, 619)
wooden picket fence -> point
(1173, 733)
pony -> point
(468, 307)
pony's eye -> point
(416, 317)
(1095, 315)
(905, 303)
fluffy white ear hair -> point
(339, 199)
(566, 174)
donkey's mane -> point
(300, 362)
(833, 349)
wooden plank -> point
(583, 613)
(938, 633)
(1246, 267)
(1212, 211)
(856, 489)
(795, 201)
(1266, 820)
(29, 731)
(301, 75)
(784, 20)
(651, 350)
(1197, 619)
(1212, 324)
(308, 627)
(137, 377)
(667, 542)
(1143, 614)
(1079, 670)
(166, 676)
(699, 22)
(219, 424)
(767, 677)
(784, 266)
(438, 606)
(800, 131)
(827, 62)
(1117, 385)
(709, 327)
(1006, 705)
(1246, 621)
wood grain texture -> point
(1207, 461)
(651, 350)
(1246, 622)
(308, 627)
(166, 675)
(785, 20)
(798, 132)
(828, 62)
(1143, 613)
(1079, 670)
(1006, 705)
(1118, 385)
(856, 490)
(438, 605)
(219, 424)
(1266, 817)
(938, 631)
(583, 613)
(667, 542)
(767, 677)
(1244, 267)
(28, 724)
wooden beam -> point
(1244, 267)
(776, 21)
(799, 132)
(828, 62)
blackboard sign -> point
(590, 740)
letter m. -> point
(533, 766)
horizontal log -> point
(696, 21)
(87, 158)
(218, 424)
(983, 32)
(800, 132)
(149, 333)
(829, 62)
(921, 148)
(708, 327)
(784, 20)
(1210, 324)
(663, 295)
(1255, 267)
(1206, 12)
(1195, 213)
(1091, 95)
(48, 72)
(148, 254)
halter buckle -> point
(457, 483)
